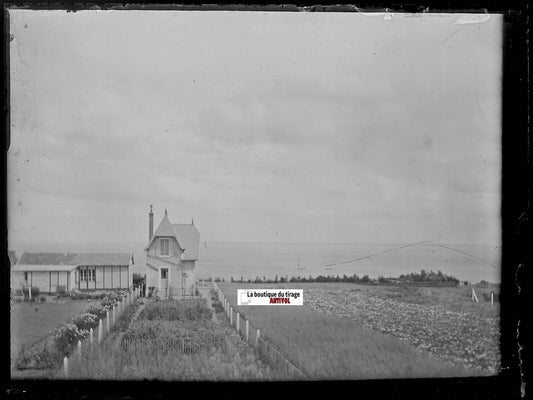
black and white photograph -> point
(254, 195)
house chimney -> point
(150, 224)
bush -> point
(151, 290)
(34, 292)
(99, 311)
(176, 310)
(190, 332)
(42, 299)
(85, 321)
(217, 305)
(66, 337)
(39, 355)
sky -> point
(262, 126)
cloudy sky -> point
(297, 127)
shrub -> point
(42, 299)
(161, 332)
(176, 310)
(39, 355)
(217, 305)
(34, 292)
(98, 310)
(66, 336)
(151, 290)
(85, 321)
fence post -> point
(491, 298)
(238, 319)
(65, 366)
(474, 296)
(91, 338)
(231, 316)
(247, 329)
(114, 316)
(107, 321)
(100, 330)
(79, 349)
(257, 337)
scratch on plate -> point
(453, 33)
(472, 19)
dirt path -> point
(115, 337)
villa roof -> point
(190, 239)
(75, 259)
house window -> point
(25, 276)
(165, 247)
(88, 274)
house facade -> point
(171, 256)
(56, 272)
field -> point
(32, 321)
(331, 338)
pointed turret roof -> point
(186, 235)
(165, 228)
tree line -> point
(422, 276)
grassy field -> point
(32, 321)
(324, 346)
(457, 299)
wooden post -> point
(247, 329)
(107, 321)
(91, 338)
(79, 349)
(114, 316)
(474, 296)
(257, 337)
(231, 316)
(29, 292)
(491, 298)
(65, 366)
(238, 319)
(100, 328)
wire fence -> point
(227, 345)
(264, 349)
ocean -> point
(251, 260)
